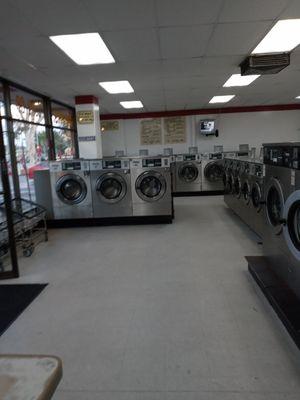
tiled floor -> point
(157, 312)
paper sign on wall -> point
(175, 130)
(109, 125)
(85, 117)
(151, 132)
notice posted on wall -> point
(175, 130)
(151, 132)
(110, 126)
(85, 117)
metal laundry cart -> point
(30, 228)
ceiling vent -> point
(264, 64)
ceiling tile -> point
(253, 10)
(184, 42)
(236, 38)
(292, 11)
(182, 67)
(117, 15)
(133, 45)
(57, 17)
(189, 12)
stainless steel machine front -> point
(151, 186)
(187, 173)
(212, 172)
(71, 189)
(281, 235)
(111, 188)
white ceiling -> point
(176, 54)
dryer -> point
(111, 188)
(71, 189)
(280, 240)
(151, 187)
(188, 174)
(212, 172)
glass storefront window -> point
(27, 107)
(62, 117)
(64, 144)
(31, 153)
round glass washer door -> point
(111, 187)
(151, 186)
(246, 192)
(256, 196)
(274, 205)
(188, 172)
(71, 189)
(291, 230)
(213, 172)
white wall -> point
(253, 128)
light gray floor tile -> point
(157, 312)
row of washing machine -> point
(106, 188)
(244, 190)
(195, 173)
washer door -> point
(71, 189)
(213, 171)
(274, 205)
(151, 186)
(291, 230)
(246, 191)
(256, 196)
(111, 187)
(188, 172)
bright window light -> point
(131, 104)
(117, 87)
(240, 80)
(84, 48)
(222, 99)
(284, 36)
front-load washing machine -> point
(212, 172)
(71, 189)
(257, 196)
(151, 187)
(111, 187)
(280, 212)
(188, 174)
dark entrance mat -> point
(14, 299)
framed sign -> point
(110, 125)
(175, 130)
(151, 132)
(85, 117)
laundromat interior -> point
(150, 200)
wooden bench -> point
(29, 377)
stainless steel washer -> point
(212, 172)
(281, 212)
(71, 189)
(111, 188)
(151, 186)
(188, 174)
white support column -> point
(88, 127)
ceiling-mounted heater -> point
(264, 64)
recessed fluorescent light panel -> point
(131, 104)
(84, 48)
(117, 87)
(298, 97)
(283, 37)
(239, 80)
(222, 99)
